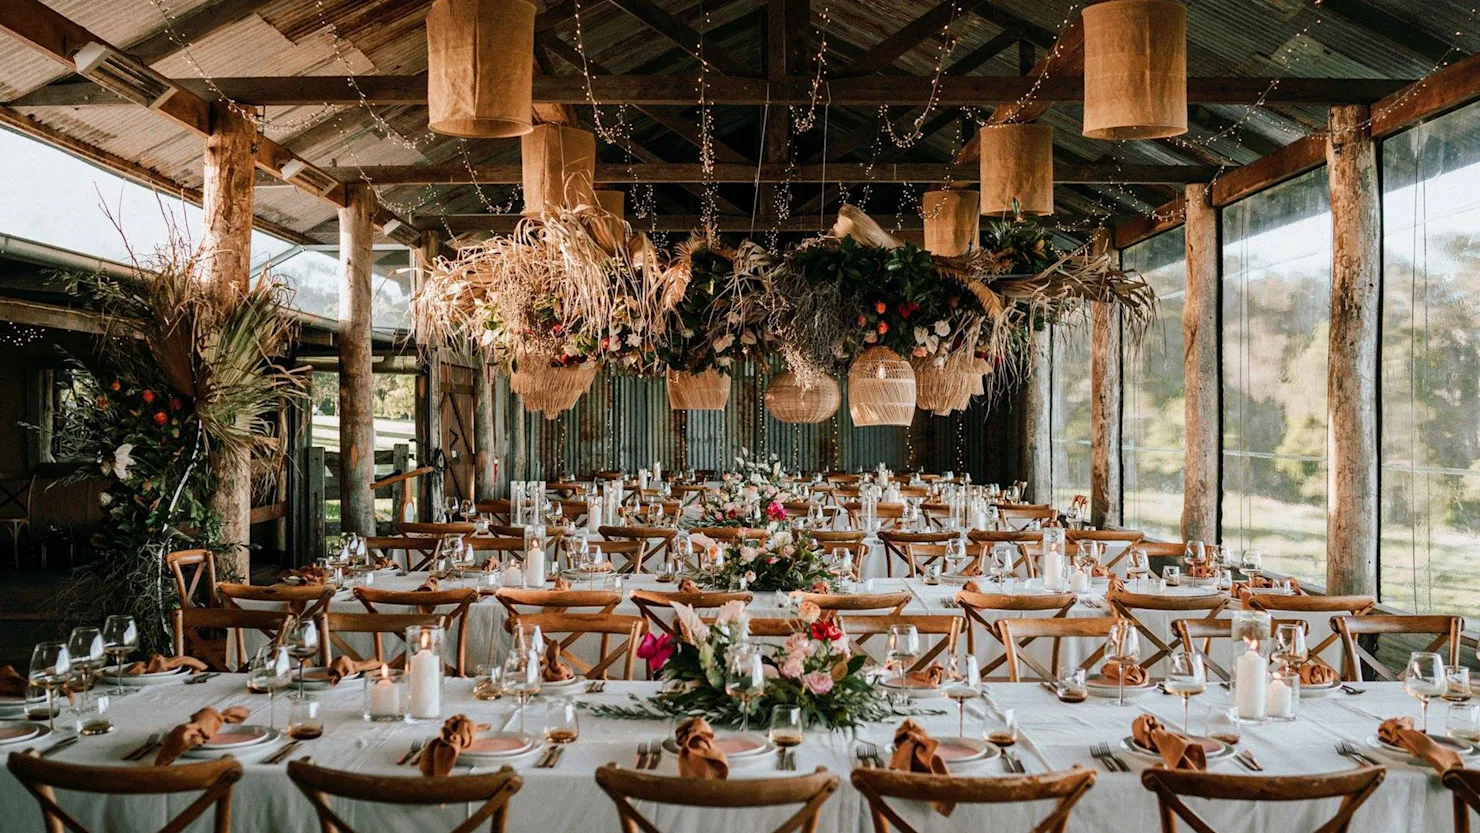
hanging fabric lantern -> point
(1135, 69)
(559, 165)
(615, 204)
(1017, 167)
(789, 401)
(706, 391)
(952, 221)
(881, 389)
(480, 63)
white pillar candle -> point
(593, 515)
(1250, 682)
(1281, 700)
(1053, 570)
(1081, 582)
(642, 478)
(425, 670)
(657, 470)
(384, 698)
(534, 566)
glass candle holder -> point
(1283, 695)
(424, 672)
(385, 695)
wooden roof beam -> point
(1390, 28)
(192, 26)
(910, 36)
(1065, 59)
(683, 36)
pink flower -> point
(818, 682)
(775, 511)
(656, 650)
(792, 668)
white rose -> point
(104, 499)
(122, 459)
(942, 328)
(921, 335)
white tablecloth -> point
(1054, 736)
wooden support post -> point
(429, 392)
(356, 383)
(1104, 417)
(1035, 454)
(401, 462)
(227, 242)
(1200, 338)
(46, 409)
(1351, 375)
(483, 434)
(313, 497)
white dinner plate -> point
(494, 745)
(915, 691)
(10, 706)
(563, 685)
(1214, 748)
(317, 678)
(1100, 687)
(737, 746)
(1312, 692)
(17, 731)
(246, 753)
(966, 752)
(112, 675)
(236, 736)
(1443, 740)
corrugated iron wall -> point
(625, 423)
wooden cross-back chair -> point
(485, 547)
(626, 786)
(488, 793)
(189, 622)
(973, 607)
(687, 494)
(862, 628)
(1018, 516)
(1128, 605)
(888, 514)
(1275, 604)
(304, 601)
(569, 628)
(655, 541)
(499, 508)
(652, 603)
(573, 510)
(1065, 788)
(214, 780)
(839, 477)
(522, 602)
(855, 552)
(1465, 785)
(1014, 632)
(1170, 786)
(335, 625)
(452, 605)
(437, 530)
(629, 551)
(1444, 629)
(15, 511)
(1167, 549)
(831, 603)
(1026, 542)
(419, 550)
(1191, 632)
(897, 545)
(1129, 537)
(194, 572)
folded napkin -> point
(1265, 582)
(309, 575)
(971, 587)
(698, 757)
(12, 684)
(202, 726)
(974, 568)
(457, 734)
(930, 676)
(1399, 731)
(916, 751)
(555, 671)
(382, 562)
(561, 584)
(431, 585)
(1176, 750)
(158, 663)
(821, 587)
(1315, 672)
(1100, 571)
(1134, 674)
(688, 586)
(602, 567)
(489, 565)
(344, 667)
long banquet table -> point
(566, 798)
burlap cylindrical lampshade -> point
(559, 165)
(787, 400)
(615, 204)
(881, 389)
(1017, 164)
(952, 221)
(1135, 69)
(480, 63)
(706, 391)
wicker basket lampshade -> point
(979, 370)
(789, 401)
(940, 389)
(550, 390)
(559, 166)
(881, 389)
(480, 59)
(952, 221)
(706, 391)
(1017, 164)
(1135, 69)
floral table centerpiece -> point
(786, 561)
(753, 495)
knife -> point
(284, 752)
(59, 746)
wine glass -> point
(521, 675)
(904, 648)
(1251, 564)
(1289, 645)
(466, 510)
(955, 555)
(786, 728)
(86, 648)
(999, 565)
(1137, 565)
(270, 671)
(1424, 680)
(120, 638)
(1186, 676)
(51, 665)
(301, 637)
(967, 677)
(1123, 645)
(745, 678)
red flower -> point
(160, 418)
(825, 630)
(115, 387)
(147, 396)
(776, 511)
(557, 329)
(175, 403)
(103, 403)
(862, 320)
(883, 328)
(881, 307)
(657, 650)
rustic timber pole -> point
(1104, 417)
(356, 384)
(483, 432)
(1351, 383)
(429, 390)
(1200, 352)
(227, 244)
(1035, 454)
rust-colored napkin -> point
(12, 684)
(971, 587)
(431, 585)
(158, 663)
(561, 584)
(202, 726)
(1134, 674)
(1315, 672)
(930, 677)
(1176, 750)
(309, 575)
(344, 667)
(973, 569)
(440, 755)
(698, 757)
(555, 671)
(916, 751)
(688, 586)
(382, 562)
(1399, 731)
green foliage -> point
(1025, 245)
(786, 562)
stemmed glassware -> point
(120, 638)
(1251, 563)
(1424, 680)
(999, 564)
(302, 641)
(521, 675)
(1186, 676)
(1137, 565)
(1289, 645)
(86, 648)
(51, 666)
(904, 648)
(1123, 646)
(270, 671)
(967, 686)
(745, 678)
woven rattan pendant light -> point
(1017, 169)
(708, 390)
(952, 221)
(559, 165)
(881, 389)
(788, 401)
(1135, 69)
(480, 59)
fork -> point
(143, 749)
(1351, 689)
(1111, 759)
(657, 755)
(1349, 749)
(642, 754)
(871, 749)
(862, 756)
(412, 753)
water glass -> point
(1171, 574)
(1458, 688)
(51, 665)
(1462, 722)
(1071, 686)
(1002, 729)
(786, 726)
(305, 721)
(562, 725)
(488, 682)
